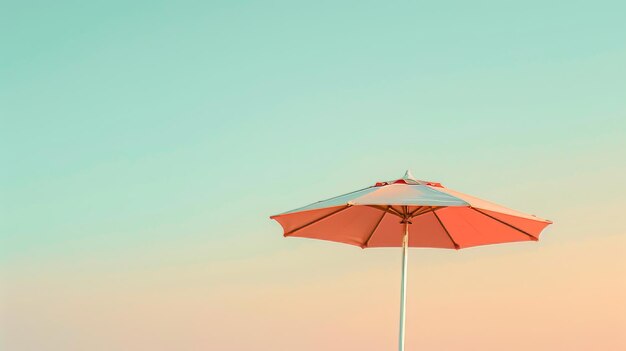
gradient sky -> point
(144, 145)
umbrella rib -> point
(375, 227)
(393, 211)
(431, 209)
(507, 224)
(416, 210)
(456, 246)
(421, 210)
(317, 220)
(396, 212)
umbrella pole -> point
(405, 251)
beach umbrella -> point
(405, 213)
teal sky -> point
(146, 135)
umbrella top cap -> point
(409, 179)
(408, 175)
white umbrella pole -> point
(405, 251)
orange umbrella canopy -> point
(437, 217)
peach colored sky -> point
(558, 294)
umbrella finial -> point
(408, 175)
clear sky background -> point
(144, 145)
